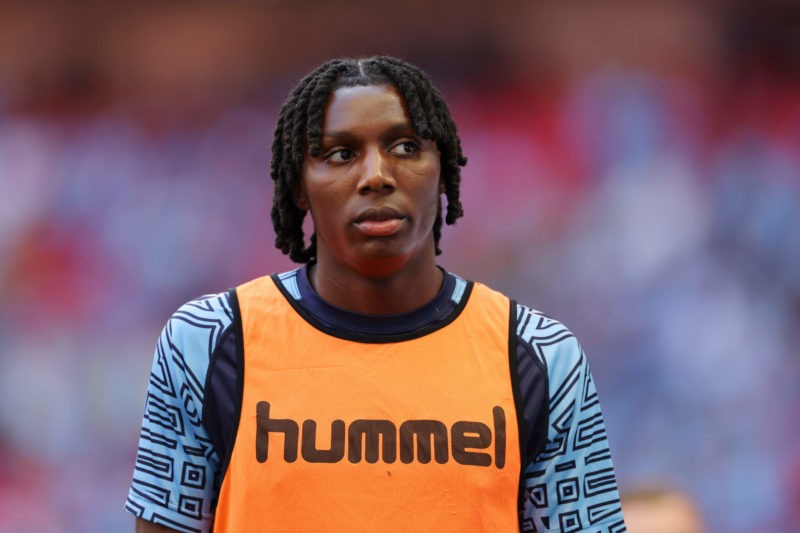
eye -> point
(342, 155)
(405, 148)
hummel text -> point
(374, 440)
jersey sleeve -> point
(570, 485)
(176, 472)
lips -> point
(379, 222)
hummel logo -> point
(374, 440)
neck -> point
(400, 291)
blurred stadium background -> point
(634, 172)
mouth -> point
(379, 222)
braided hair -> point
(299, 128)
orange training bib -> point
(340, 435)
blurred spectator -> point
(659, 509)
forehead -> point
(359, 107)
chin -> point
(381, 262)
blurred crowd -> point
(657, 216)
(663, 225)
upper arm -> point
(144, 526)
(570, 484)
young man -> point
(369, 389)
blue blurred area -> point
(654, 209)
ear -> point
(299, 195)
(441, 186)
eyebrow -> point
(399, 129)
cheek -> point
(430, 202)
(321, 194)
(435, 185)
(325, 200)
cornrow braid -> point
(299, 130)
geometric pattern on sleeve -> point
(570, 486)
(176, 473)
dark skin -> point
(143, 526)
(373, 194)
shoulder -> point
(205, 317)
(207, 313)
(194, 331)
(542, 336)
(547, 339)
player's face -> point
(374, 190)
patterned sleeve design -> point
(570, 486)
(176, 473)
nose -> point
(375, 172)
